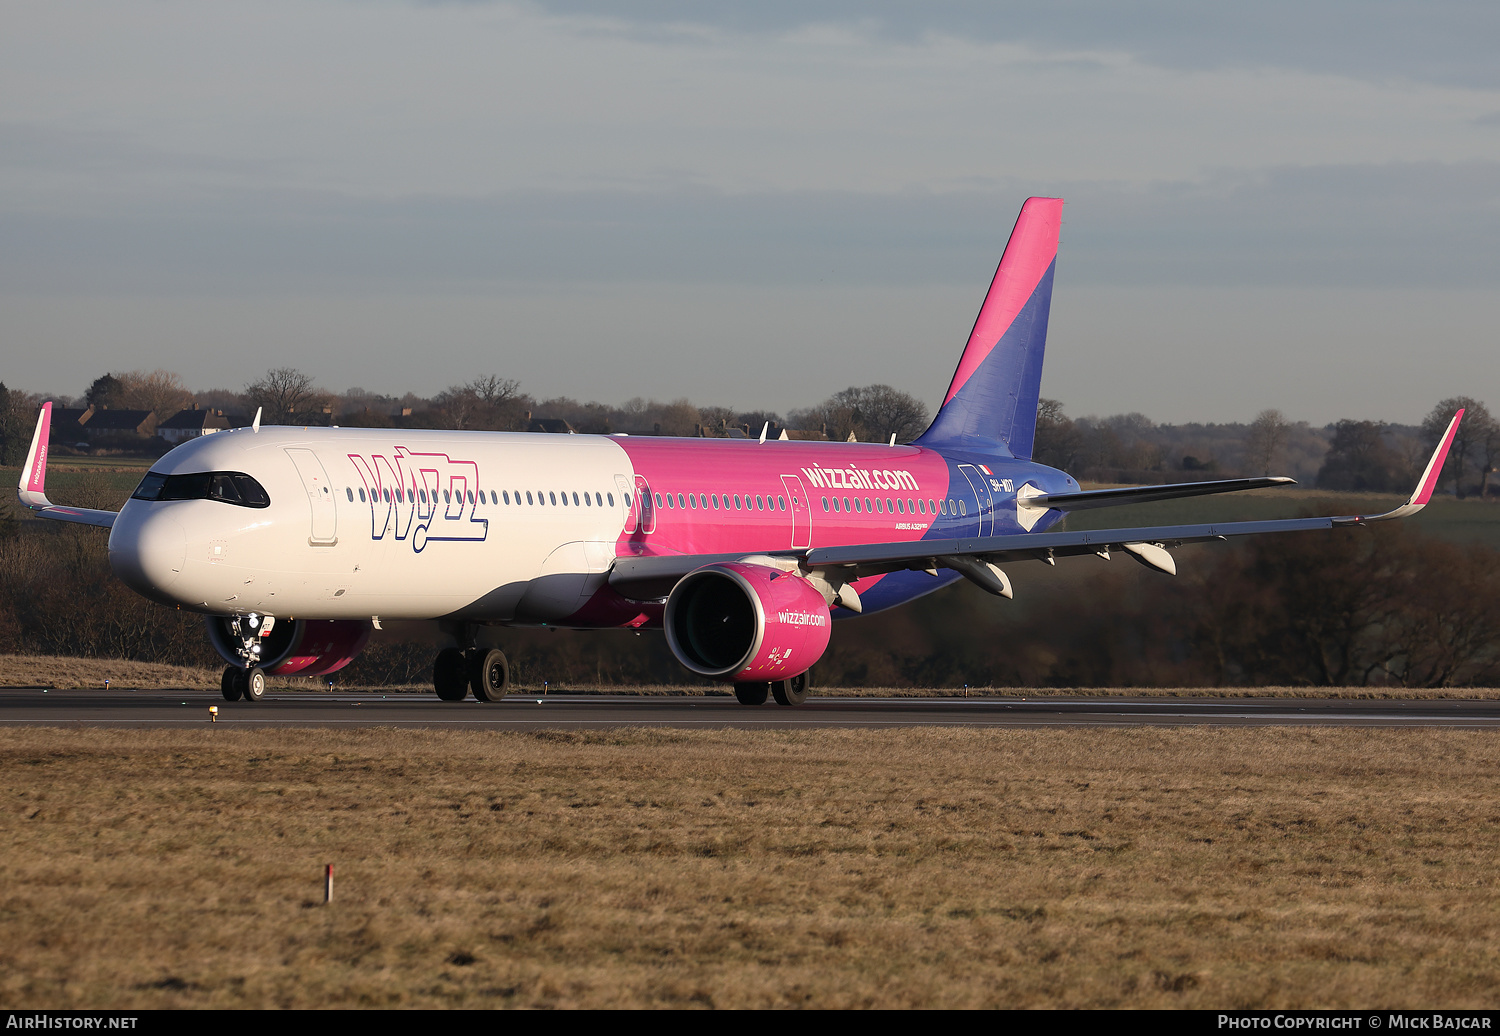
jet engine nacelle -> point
(743, 622)
(292, 647)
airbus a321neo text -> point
(296, 542)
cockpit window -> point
(230, 487)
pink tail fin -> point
(994, 393)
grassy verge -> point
(919, 868)
(63, 673)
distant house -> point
(555, 425)
(776, 431)
(119, 422)
(70, 425)
(67, 424)
(189, 424)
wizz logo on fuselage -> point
(421, 497)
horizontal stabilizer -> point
(1092, 498)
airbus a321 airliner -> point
(296, 542)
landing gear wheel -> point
(793, 691)
(450, 675)
(229, 683)
(752, 693)
(252, 683)
(489, 674)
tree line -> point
(1349, 454)
(285, 395)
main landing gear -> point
(786, 692)
(456, 672)
(238, 682)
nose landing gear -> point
(237, 683)
(247, 681)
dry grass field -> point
(64, 673)
(894, 868)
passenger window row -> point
(504, 497)
(856, 505)
(705, 501)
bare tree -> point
(458, 406)
(888, 411)
(159, 391)
(1359, 459)
(285, 396)
(489, 402)
(839, 415)
(228, 400)
(1267, 437)
(872, 414)
(679, 417)
(493, 390)
(1058, 439)
(716, 419)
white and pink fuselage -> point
(523, 528)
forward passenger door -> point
(319, 497)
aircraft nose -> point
(147, 551)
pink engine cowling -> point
(297, 647)
(741, 622)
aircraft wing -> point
(650, 577)
(1092, 498)
(32, 490)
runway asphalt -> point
(124, 708)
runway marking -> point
(134, 708)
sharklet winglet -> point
(32, 488)
(1425, 485)
(31, 491)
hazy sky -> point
(1279, 204)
